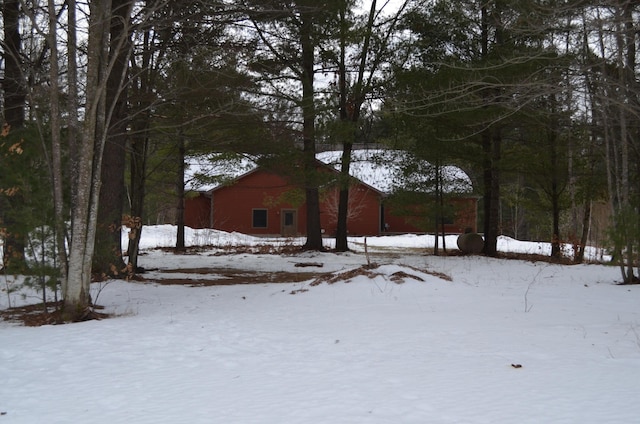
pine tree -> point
(14, 98)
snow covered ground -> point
(499, 341)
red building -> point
(261, 202)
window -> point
(288, 218)
(447, 219)
(259, 218)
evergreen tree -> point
(14, 103)
(479, 81)
(288, 36)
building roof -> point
(209, 171)
(384, 170)
(391, 170)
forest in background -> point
(102, 102)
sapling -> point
(528, 308)
(9, 286)
(44, 268)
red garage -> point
(262, 202)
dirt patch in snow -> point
(38, 314)
(230, 276)
(369, 271)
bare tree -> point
(613, 87)
(373, 51)
(356, 207)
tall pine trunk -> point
(343, 199)
(312, 194)
(491, 141)
(108, 249)
(14, 116)
(491, 146)
(139, 143)
(138, 171)
(555, 189)
(345, 164)
(180, 242)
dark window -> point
(288, 218)
(259, 218)
(447, 219)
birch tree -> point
(88, 157)
(75, 289)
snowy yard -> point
(499, 341)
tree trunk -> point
(556, 249)
(494, 226)
(139, 143)
(438, 211)
(138, 166)
(314, 228)
(586, 218)
(72, 92)
(441, 208)
(552, 139)
(628, 142)
(492, 137)
(108, 249)
(350, 110)
(76, 288)
(56, 147)
(491, 142)
(14, 116)
(180, 245)
(345, 165)
(343, 200)
(13, 82)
